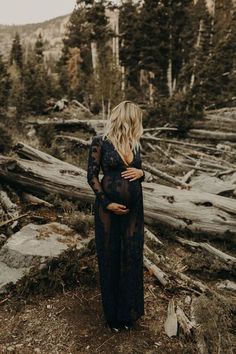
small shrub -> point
(180, 110)
(46, 135)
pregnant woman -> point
(118, 214)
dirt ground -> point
(73, 322)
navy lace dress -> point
(119, 238)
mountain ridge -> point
(52, 30)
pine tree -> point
(154, 41)
(216, 78)
(5, 86)
(16, 55)
(181, 35)
(39, 48)
(36, 81)
(129, 43)
(88, 24)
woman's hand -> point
(133, 173)
(118, 209)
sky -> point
(32, 11)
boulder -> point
(35, 245)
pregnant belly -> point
(121, 190)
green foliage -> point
(35, 87)
(5, 86)
(180, 110)
(46, 135)
(216, 78)
(154, 41)
(16, 98)
(16, 55)
(88, 24)
(39, 48)
(37, 83)
(129, 42)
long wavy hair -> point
(124, 127)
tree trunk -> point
(180, 209)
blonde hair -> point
(124, 127)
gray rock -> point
(36, 245)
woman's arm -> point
(143, 176)
(141, 168)
(94, 161)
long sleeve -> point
(94, 164)
(143, 177)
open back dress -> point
(119, 238)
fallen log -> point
(89, 125)
(164, 175)
(211, 135)
(177, 208)
(205, 162)
(153, 255)
(205, 246)
(196, 167)
(148, 234)
(211, 184)
(216, 124)
(27, 151)
(157, 129)
(201, 154)
(73, 140)
(187, 177)
(180, 142)
(16, 218)
(223, 112)
(156, 271)
(77, 103)
(31, 199)
(184, 321)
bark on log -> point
(211, 135)
(196, 167)
(77, 103)
(31, 199)
(157, 272)
(213, 123)
(26, 151)
(148, 234)
(89, 125)
(184, 321)
(206, 246)
(151, 254)
(180, 142)
(164, 176)
(180, 209)
(160, 129)
(73, 140)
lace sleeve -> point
(94, 164)
(140, 166)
